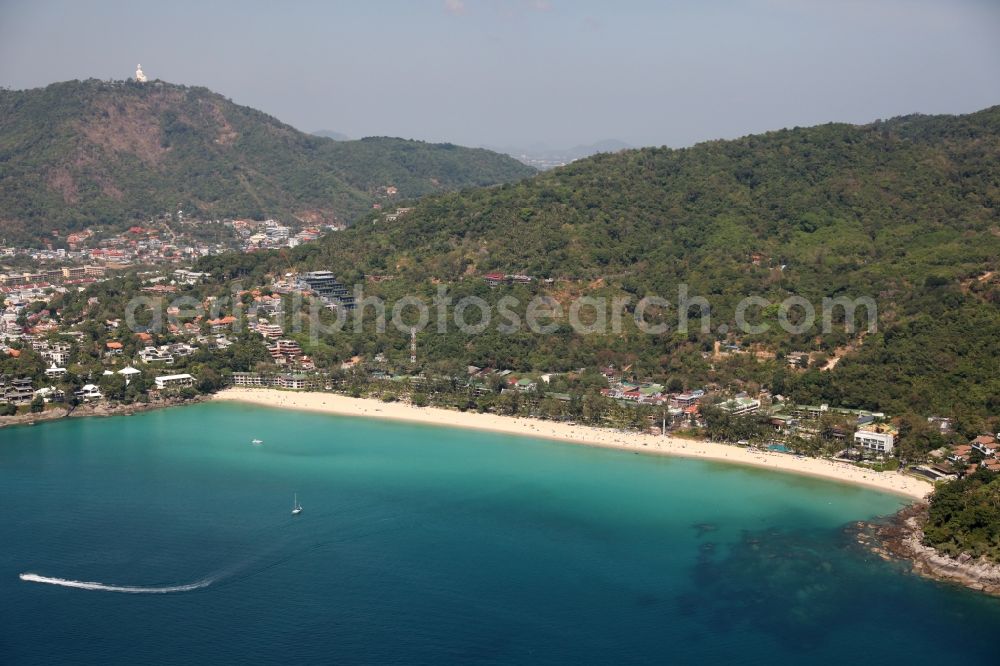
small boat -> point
(257, 442)
(296, 507)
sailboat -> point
(296, 507)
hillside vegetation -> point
(840, 206)
(964, 517)
(903, 211)
(79, 153)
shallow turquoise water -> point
(433, 545)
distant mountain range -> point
(542, 156)
(80, 153)
(330, 134)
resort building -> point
(174, 381)
(51, 394)
(960, 453)
(270, 331)
(254, 379)
(814, 412)
(298, 382)
(810, 412)
(740, 405)
(876, 437)
(184, 276)
(156, 355)
(89, 392)
(17, 391)
(525, 385)
(54, 371)
(986, 445)
(128, 372)
(285, 381)
(284, 350)
(56, 354)
(683, 400)
(182, 349)
(325, 285)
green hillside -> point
(903, 211)
(841, 206)
(964, 517)
(84, 152)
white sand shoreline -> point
(331, 403)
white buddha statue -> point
(139, 76)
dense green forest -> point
(887, 204)
(902, 211)
(85, 152)
(964, 516)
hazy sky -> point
(514, 72)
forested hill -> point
(83, 152)
(840, 205)
(904, 211)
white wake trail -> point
(127, 589)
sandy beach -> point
(331, 403)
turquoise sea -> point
(438, 546)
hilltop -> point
(89, 152)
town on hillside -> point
(172, 238)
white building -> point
(128, 372)
(741, 405)
(189, 277)
(248, 379)
(55, 371)
(986, 445)
(174, 381)
(182, 349)
(298, 382)
(89, 392)
(154, 355)
(57, 355)
(50, 394)
(876, 437)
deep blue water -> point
(431, 545)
